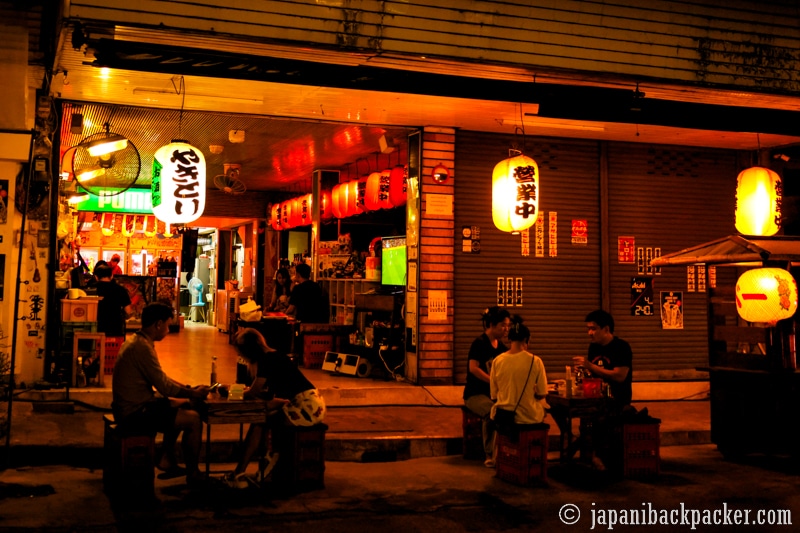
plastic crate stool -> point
(128, 462)
(641, 455)
(301, 459)
(113, 345)
(314, 349)
(522, 458)
(472, 440)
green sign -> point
(133, 201)
(155, 183)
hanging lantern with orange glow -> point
(326, 205)
(766, 295)
(372, 198)
(178, 183)
(150, 222)
(361, 193)
(398, 185)
(303, 206)
(758, 202)
(515, 193)
(296, 218)
(286, 214)
(354, 206)
(125, 231)
(275, 217)
(337, 201)
(107, 226)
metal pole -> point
(15, 307)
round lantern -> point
(766, 295)
(326, 205)
(758, 202)
(178, 186)
(305, 209)
(336, 200)
(398, 183)
(361, 194)
(275, 217)
(383, 194)
(353, 205)
(372, 194)
(515, 193)
(286, 214)
(296, 218)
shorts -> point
(306, 409)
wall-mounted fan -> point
(106, 162)
(229, 182)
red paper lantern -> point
(326, 205)
(305, 209)
(383, 194)
(275, 217)
(286, 214)
(353, 207)
(372, 199)
(361, 194)
(398, 183)
(336, 200)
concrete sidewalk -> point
(366, 425)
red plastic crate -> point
(522, 459)
(641, 450)
(314, 349)
(472, 429)
(113, 344)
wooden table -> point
(564, 409)
(219, 410)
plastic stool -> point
(128, 462)
(522, 458)
(301, 460)
(472, 429)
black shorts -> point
(156, 416)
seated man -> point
(136, 407)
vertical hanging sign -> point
(501, 291)
(580, 232)
(553, 234)
(518, 292)
(626, 250)
(701, 278)
(690, 278)
(539, 235)
(178, 185)
(525, 242)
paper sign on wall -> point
(437, 306)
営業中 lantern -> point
(758, 202)
(178, 185)
(766, 295)
(515, 193)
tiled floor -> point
(186, 356)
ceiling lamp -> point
(110, 143)
(515, 193)
(766, 295)
(758, 202)
(178, 183)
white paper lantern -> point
(179, 183)
(758, 202)
(766, 295)
(515, 193)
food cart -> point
(754, 382)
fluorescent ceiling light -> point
(77, 197)
(90, 174)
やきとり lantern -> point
(766, 295)
(758, 202)
(178, 183)
(515, 193)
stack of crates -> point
(641, 456)
(522, 458)
(314, 349)
(472, 428)
(301, 457)
(113, 345)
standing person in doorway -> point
(114, 263)
(307, 303)
(486, 347)
(115, 306)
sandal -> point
(236, 481)
(172, 472)
(265, 466)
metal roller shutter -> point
(557, 291)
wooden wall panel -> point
(746, 43)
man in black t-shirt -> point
(307, 303)
(115, 305)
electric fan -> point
(111, 171)
(229, 182)
(196, 290)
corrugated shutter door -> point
(557, 291)
(669, 198)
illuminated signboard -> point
(134, 201)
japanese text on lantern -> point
(526, 191)
(186, 180)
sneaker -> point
(235, 481)
(489, 463)
(266, 465)
(598, 465)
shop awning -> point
(735, 249)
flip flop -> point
(172, 472)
